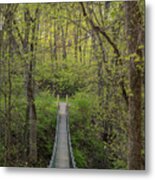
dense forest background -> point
(94, 53)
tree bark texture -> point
(134, 40)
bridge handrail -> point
(73, 164)
(52, 161)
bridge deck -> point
(62, 154)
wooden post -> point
(66, 98)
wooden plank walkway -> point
(62, 154)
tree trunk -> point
(64, 53)
(31, 92)
(134, 34)
(32, 117)
(55, 40)
(76, 43)
(9, 16)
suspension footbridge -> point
(62, 156)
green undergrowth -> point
(46, 115)
(88, 148)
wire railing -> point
(52, 162)
(72, 160)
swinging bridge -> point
(62, 156)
